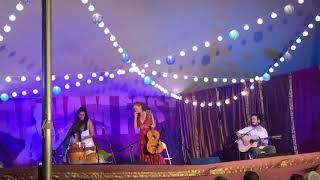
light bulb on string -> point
(67, 86)
(185, 77)
(281, 59)
(271, 70)
(78, 84)
(215, 79)
(242, 80)
(14, 94)
(186, 101)
(202, 104)
(106, 31)
(207, 44)
(298, 40)
(274, 15)
(310, 26)
(84, 1)
(24, 93)
(158, 62)
(175, 76)
(106, 74)
(164, 75)
(19, 7)
(35, 91)
(111, 76)
(234, 81)
(195, 79)
(89, 81)
(12, 17)
(91, 8)
(276, 64)
(293, 47)
(246, 27)
(205, 79)
(101, 78)
(219, 38)
(23, 79)
(112, 38)
(218, 103)
(224, 80)
(227, 101)
(1, 38)
(66, 77)
(79, 76)
(94, 75)
(260, 21)
(53, 77)
(154, 73)
(194, 48)
(305, 33)
(235, 98)
(210, 104)
(38, 78)
(8, 79)
(182, 53)
(317, 18)
(194, 103)
(6, 28)
(251, 80)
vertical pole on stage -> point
(46, 169)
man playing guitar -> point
(246, 135)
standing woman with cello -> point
(144, 120)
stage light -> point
(194, 103)
(94, 75)
(242, 81)
(182, 53)
(293, 47)
(35, 91)
(79, 76)
(202, 104)
(158, 62)
(53, 77)
(195, 79)
(305, 33)
(23, 79)
(14, 94)
(260, 21)
(19, 7)
(218, 103)
(8, 79)
(120, 50)
(224, 80)
(78, 84)
(246, 27)
(101, 78)
(227, 101)
(298, 40)
(274, 15)
(6, 28)
(175, 76)
(91, 8)
(84, 1)
(185, 77)
(89, 81)
(219, 38)
(244, 93)
(24, 93)
(205, 79)
(101, 24)
(194, 48)
(111, 76)
(271, 70)
(164, 75)
(235, 98)
(115, 44)
(66, 77)
(207, 44)
(234, 81)
(112, 38)
(12, 17)
(106, 31)
(215, 79)
(67, 86)
(154, 73)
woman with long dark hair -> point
(143, 119)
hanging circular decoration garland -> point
(97, 19)
(233, 35)
(12, 18)
(266, 76)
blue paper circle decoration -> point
(170, 60)
(252, 87)
(56, 90)
(234, 34)
(124, 57)
(266, 77)
(4, 97)
(147, 80)
(27, 1)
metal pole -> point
(46, 171)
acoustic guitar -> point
(154, 145)
(247, 142)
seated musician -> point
(85, 131)
(255, 129)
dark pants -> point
(258, 153)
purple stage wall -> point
(20, 125)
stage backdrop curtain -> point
(306, 92)
(210, 131)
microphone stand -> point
(130, 146)
(111, 149)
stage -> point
(280, 167)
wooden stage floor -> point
(272, 168)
